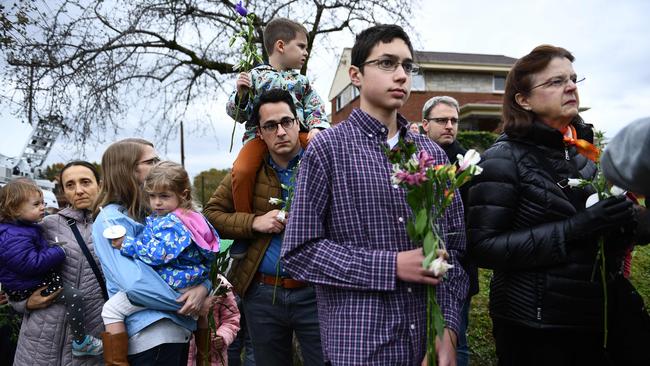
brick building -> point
(476, 81)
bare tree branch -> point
(94, 61)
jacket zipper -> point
(566, 153)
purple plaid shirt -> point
(347, 225)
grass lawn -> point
(480, 332)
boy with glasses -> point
(347, 233)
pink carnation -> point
(412, 179)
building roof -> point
(463, 58)
(472, 62)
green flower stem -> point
(603, 278)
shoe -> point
(90, 346)
(238, 249)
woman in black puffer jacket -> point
(537, 236)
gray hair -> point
(431, 103)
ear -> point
(279, 46)
(258, 133)
(356, 76)
(522, 100)
(186, 194)
(425, 125)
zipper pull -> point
(539, 313)
(566, 153)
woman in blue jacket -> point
(160, 334)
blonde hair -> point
(168, 175)
(13, 195)
(119, 183)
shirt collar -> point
(372, 128)
(291, 165)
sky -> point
(610, 41)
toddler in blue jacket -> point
(28, 262)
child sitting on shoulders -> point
(286, 43)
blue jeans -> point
(272, 325)
(462, 351)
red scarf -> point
(584, 147)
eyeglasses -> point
(559, 82)
(151, 161)
(391, 64)
(272, 126)
(442, 121)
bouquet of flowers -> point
(429, 192)
(249, 55)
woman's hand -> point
(37, 301)
(193, 299)
(208, 303)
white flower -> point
(472, 157)
(275, 201)
(592, 200)
(281, 216)
(476, 170)
(617, 191)
(413, 164)
(440, 266)
(575, 182)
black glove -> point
(607, 214)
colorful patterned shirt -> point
(347, 225)
(310, 108)
(166, 245)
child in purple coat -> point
(28, 262)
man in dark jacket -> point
(275, 305)
(440, 123)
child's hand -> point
(217, 341)
(243, 84)
(117, 243)
(313, 132)
(37, 301)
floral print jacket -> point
(310, 108)
(167, 245)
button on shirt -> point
(270, 261)
(347, 225)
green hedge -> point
(477, 140)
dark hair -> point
(272, 96)
(371, 37)
(82, 163)
(516, 120)
(281, 29)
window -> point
(499, 83)
(339, 102)
(346, 96)
(417, 83)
